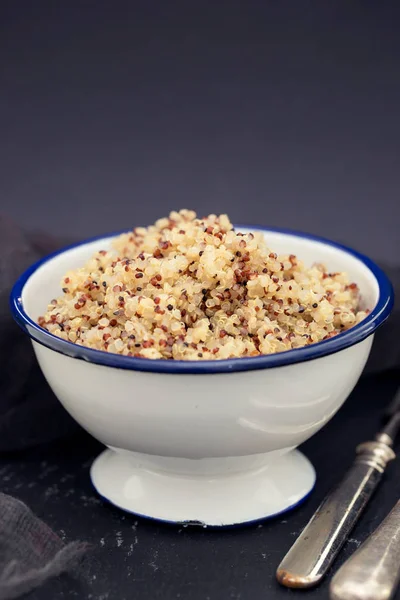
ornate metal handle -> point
(318, 545)
(373, 571)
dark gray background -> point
(279, 113)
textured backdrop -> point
(281, 113)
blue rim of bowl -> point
(353, 336)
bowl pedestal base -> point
(214, 492)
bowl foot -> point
(214, 492)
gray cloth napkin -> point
(26, 401)
(30, 553)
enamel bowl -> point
(208, 442)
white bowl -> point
(210, 442)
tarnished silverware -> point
(373, 571)
(320, 542)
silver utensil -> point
(373, 571)
(320, 542)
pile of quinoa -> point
(196, 289)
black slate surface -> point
(135, 558)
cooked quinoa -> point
(196, 289)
